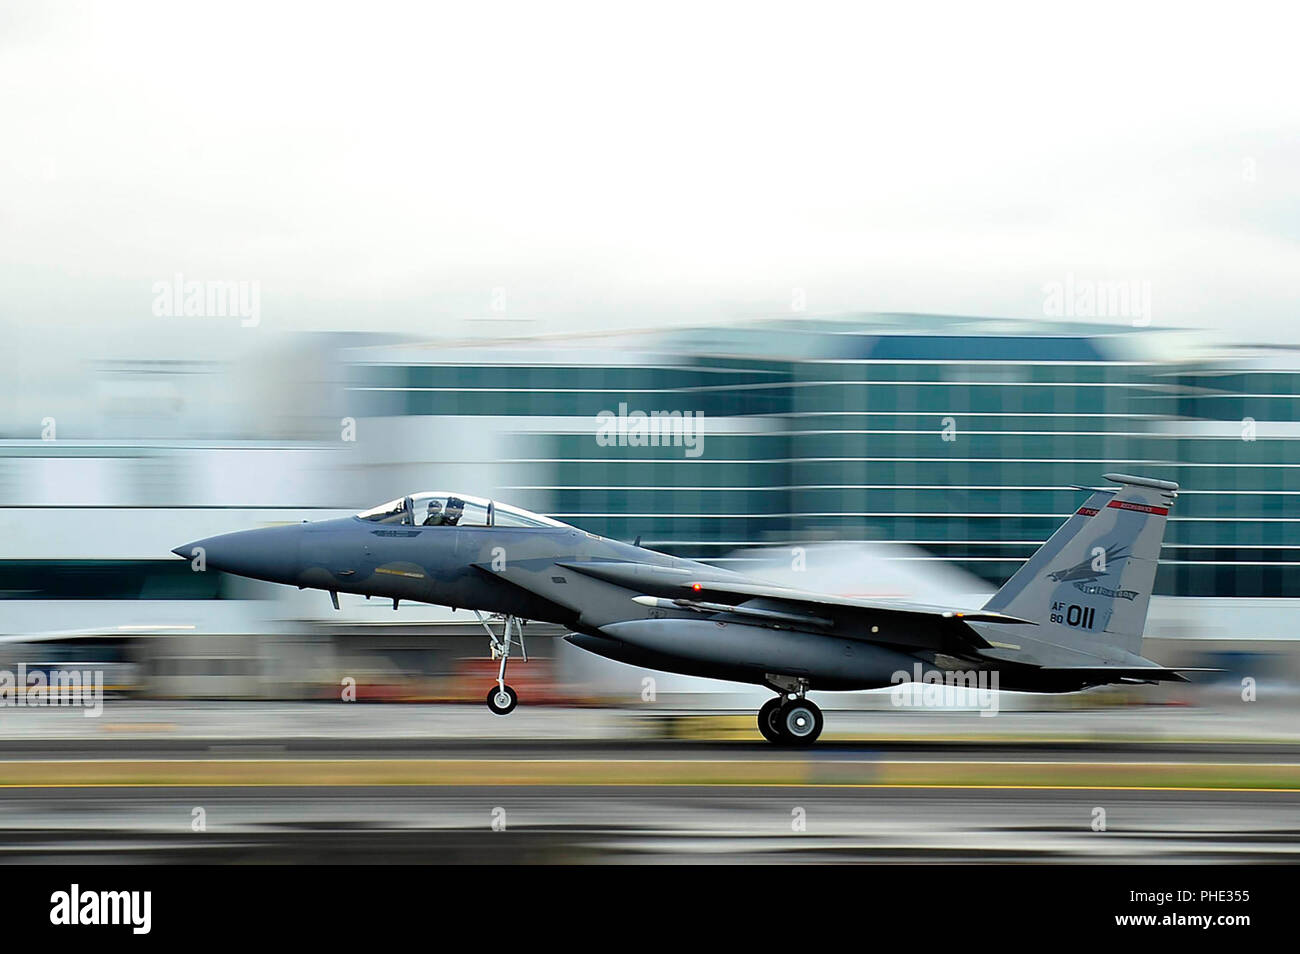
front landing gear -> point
(791, 719)
(502, 699)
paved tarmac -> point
(301, 783)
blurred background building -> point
(945, 441)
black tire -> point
(767, 719)
(501, 706)
(800, 722)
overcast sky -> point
(617, 165)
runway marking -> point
(133, 726)
(731, 728)
(1058, 775)
(612, 784)
(542, 760)
(563, 760)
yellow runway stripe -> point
(1112, 776)
(736, 728)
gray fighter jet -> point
(1070, 618)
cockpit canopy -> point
(438, 508)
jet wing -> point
(811, 598)
(733, 589)
(887, 622)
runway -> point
(343, 747)
(314, 799)
(642, 824)
(299, 783)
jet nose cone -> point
(268, 554)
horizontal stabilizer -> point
(1136, 673)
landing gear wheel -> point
(502, 700)
(800, 722)
(767, 719)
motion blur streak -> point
(293, 783)
(828, 458)
(891, 281)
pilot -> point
(455, 507)
(434, 517)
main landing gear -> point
(790, 719)
(502, 699)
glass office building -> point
(964, 437)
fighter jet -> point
(1070, 618)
